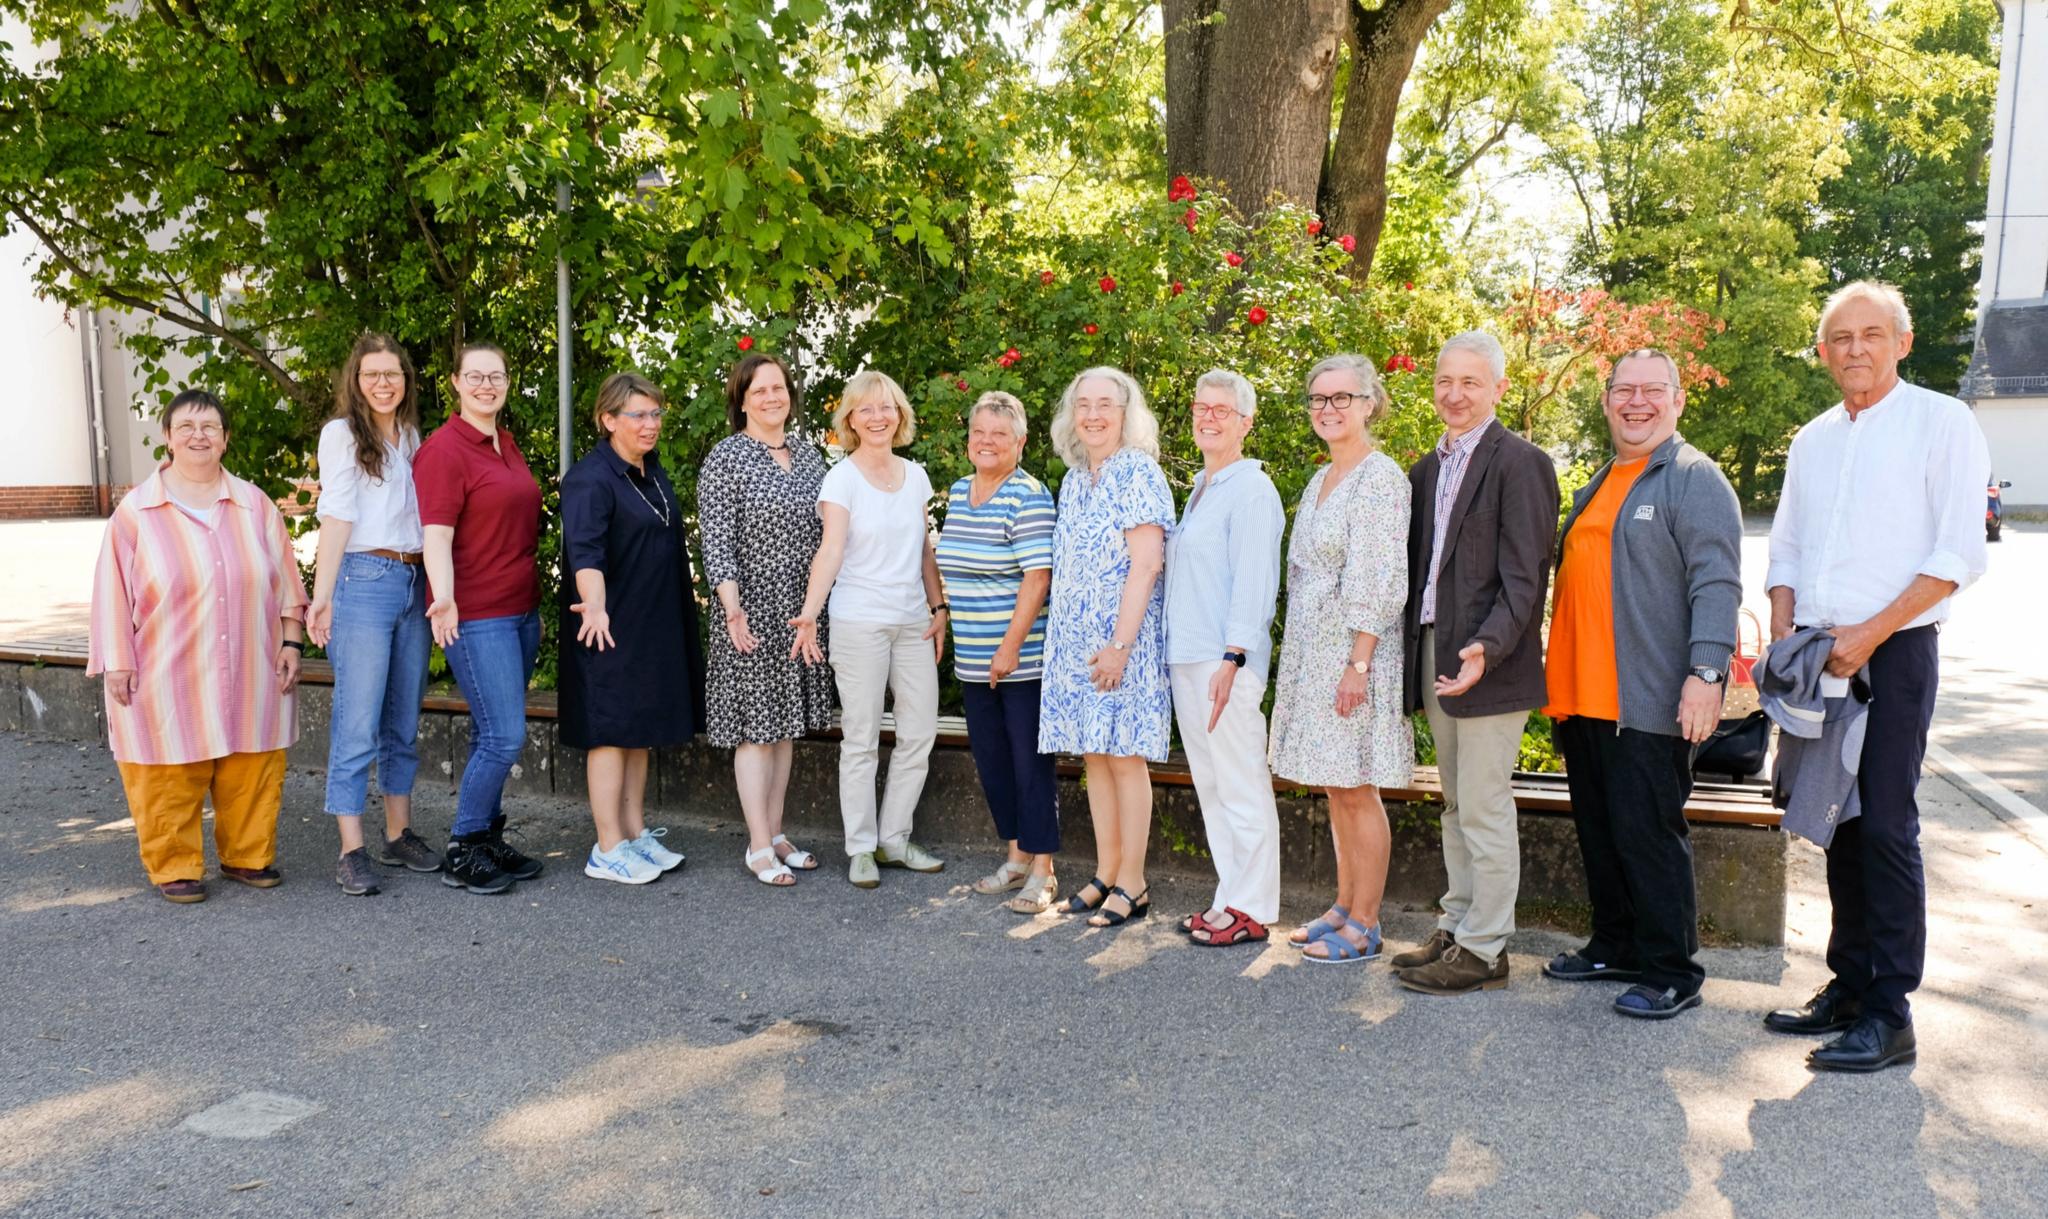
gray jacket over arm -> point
(1677, 567)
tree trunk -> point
(1248, 97)
(1384, 43)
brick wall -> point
(33, 503)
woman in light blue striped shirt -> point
(995, 555)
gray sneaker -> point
(861, 872)
(355, 875)
(409, 851)
(914, 857)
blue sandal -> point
(1343, 951)
(1321, 927)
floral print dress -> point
(1347, 570)
(761, 529)
(1090, 560)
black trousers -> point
(1876, 882)
(1629, 790)
(1019, 781)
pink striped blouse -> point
(195, 610)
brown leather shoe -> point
(1430, 950)
(1457, 972)
(256, 878)
(183, 892)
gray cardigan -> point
(1677, 579)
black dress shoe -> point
(1831, 1010)
(1869, 1045)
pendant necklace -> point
(663, 511)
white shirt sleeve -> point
(1956, 482)
(340, 477)
(1783, 571)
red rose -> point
(1106, 284)
(1314, 227)
(1255, 315)
(1045, 277)
(1409, 286)
(1347, 243)
(1180, 189)
(746, 342)
(1013, 355)
(961, 386)
(1407, 363)
(1188, 218)
(1090, 328)
(1234, 258)
(1179, 287)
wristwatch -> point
(1119, 645)
(1361, 667)
(1237, 658)
(1712, 677)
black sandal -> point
(1141, 906)
(1076, 904)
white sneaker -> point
(622, 864)
(648, 847)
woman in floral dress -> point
(1337, 719)
(1105, 692)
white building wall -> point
(2016, 213)
(43, 408)
(2016, 429)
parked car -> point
(1994, 510)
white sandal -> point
(798, 858)
(778, 876)
(1010, 875)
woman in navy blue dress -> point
(632, 670)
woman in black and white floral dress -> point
(757, 504)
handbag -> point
(1737, 749)
(1741, 698)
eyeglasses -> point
(1212, 410)
(186, 431)
(1342, 402)
(380, 377)
(1652, 392)
(477, 380)
(653, 416)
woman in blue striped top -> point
(995, 554)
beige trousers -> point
(1482, 848)
(869, 659)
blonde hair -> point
(1866, 290)
(619, 390)
(1141, 427)
(862, 386)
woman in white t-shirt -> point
(369, 607)
(888, 617)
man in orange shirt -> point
(1649, 568)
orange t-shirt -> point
(1579, 669)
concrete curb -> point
(2002, 802)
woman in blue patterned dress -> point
(1105, 692)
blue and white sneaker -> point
(622, 864)
(648, 847)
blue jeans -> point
(492, 660)
(379, 652)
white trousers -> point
(1239, 813)
(868, 659)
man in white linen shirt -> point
(1880, 523)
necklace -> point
(663, 511)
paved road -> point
(705, 1046)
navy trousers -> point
(1002, 733)
(1876, 882)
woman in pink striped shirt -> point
(197, 617)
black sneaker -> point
(408, 851)
(470, 865)
(508, 859)
(1578, 967)
(355, 875)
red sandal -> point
(1242, 929)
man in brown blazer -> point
(1482, 522)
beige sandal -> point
(1011, 875)
(1037, 895)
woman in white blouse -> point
(888, 620)
(369, 606)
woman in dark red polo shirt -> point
(480, 509)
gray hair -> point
(1648, 353)
(1363, 373)
(1479, 343)
(1223, 378)
(1141, 426)
(1004, 406)
(1866, 290)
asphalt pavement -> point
(707, 1046)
